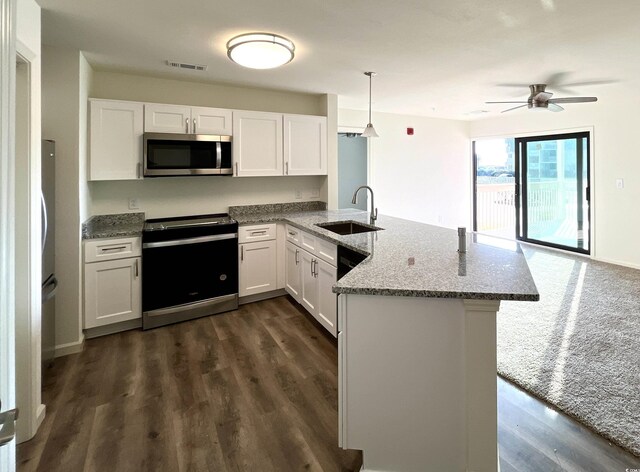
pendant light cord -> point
(370, 75)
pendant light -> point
(369, 131)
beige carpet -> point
(579, 347)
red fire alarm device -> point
(410, 131)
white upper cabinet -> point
(115, 140)
(257, 143)
(305, 145)
(212, 121)
(267, 144)
(160, 118)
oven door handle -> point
(198, 240)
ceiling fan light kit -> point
(260, 50)
(369, 131)
(540, 99)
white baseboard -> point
(70, 348)
(40, 414)
(611, 261)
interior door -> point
(554, 191)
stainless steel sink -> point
(347, 227)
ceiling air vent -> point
(184, 65)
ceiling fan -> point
(539, 98)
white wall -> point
(615, 154)
(28, 225)
(425, 177)
(196, 195)
(61, 110)
(183, 196)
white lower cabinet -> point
(293, 271)
(258, 270)
(258, 259)
(327, 304)
(310, 279)
(112, 291)
(309, 296)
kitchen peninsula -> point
(417, 341)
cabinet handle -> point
(286, 168)
(236, 169)
(297, 257)
(187, 125)
(194, 126)
(311, 267)
(139, 170)
(315, 268)
(108, 249)
(292, 233)
(241, 253)
(137, 269)
(258, 233)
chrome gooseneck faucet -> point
(374, 210)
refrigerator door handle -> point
(49, 289)
(45, 222)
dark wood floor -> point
(255, 389)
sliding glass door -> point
(554, 188)
(535, 189)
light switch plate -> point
(134, 204)
(619, 183)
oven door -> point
(187, 271)
(167, 154)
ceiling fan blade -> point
(514, 108)
(574, 100)
(554, 107)
(520, 101)
(542, 96)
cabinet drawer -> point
(308, 242)
(327, 251)
(293, 234)
(249, 234)
(110, 249)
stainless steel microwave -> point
(174, 154)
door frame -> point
(370, 166)
(547, 132)
(7, 213)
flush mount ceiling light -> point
(260, 50)
(369, 131)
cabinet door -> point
(258, 271)
(167, 119)
(327, 300)
(115, 141)
(293, 271)
(112, 292)
(257, 143)
(309, 295)
(211, 121)
(305, 145)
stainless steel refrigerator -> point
(49, 281)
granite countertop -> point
(113, 226)
(492, 268)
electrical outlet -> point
(619, 183)
(298, 193)
(134, 204)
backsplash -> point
(277, 208)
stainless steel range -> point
(190, 268)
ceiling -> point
(433, 57)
